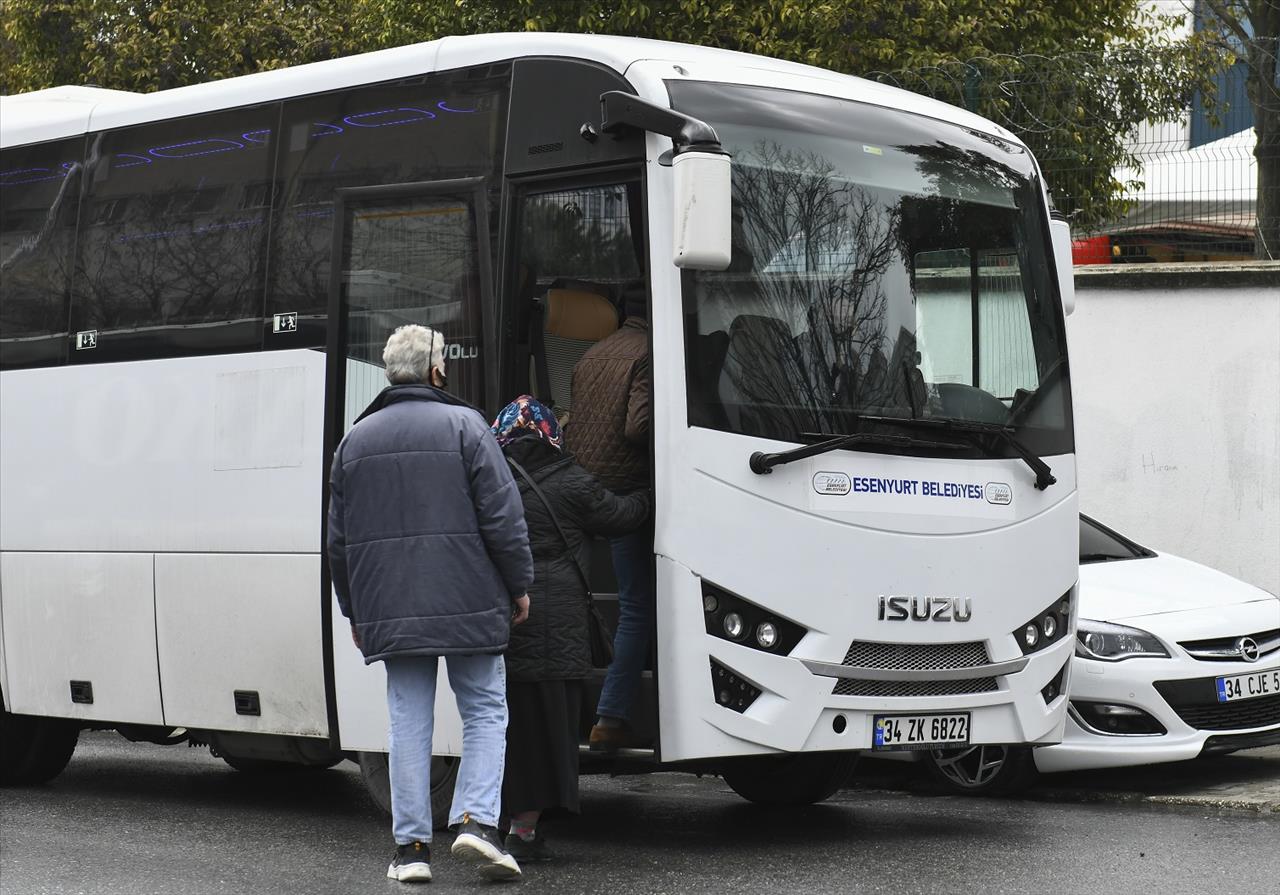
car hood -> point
(1182, 597)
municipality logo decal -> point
(831, 483)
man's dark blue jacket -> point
(427, 539)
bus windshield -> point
(884, 265)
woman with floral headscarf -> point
(549, 656)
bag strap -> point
(577, 564)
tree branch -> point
(1224, 14)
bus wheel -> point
(34, 750)
(982, 770)
(790, 779)
(444, 774)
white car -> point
(1173, 660)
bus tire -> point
(982, 770)
(34, 750)
(790, 779)
(444, 775)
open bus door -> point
(402, 254)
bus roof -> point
(61, 112)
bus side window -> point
(173, 230)
(39, 193)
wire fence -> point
(1180, 190)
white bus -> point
(866, 523)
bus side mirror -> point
(1060, 231)
(702, 228)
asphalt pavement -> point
(135, 819)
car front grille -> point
(1227, 649)
(854, 687)
(1243, 714)
(917, 657)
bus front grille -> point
(855, 687)
(917, 657)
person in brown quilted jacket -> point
(609, 434)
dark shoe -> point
(531, 851)
(480, 844)
(412, 863)
(611, 739)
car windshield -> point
(1100, 544)
(884, 264)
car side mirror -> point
(702, 228)
(1060, 232)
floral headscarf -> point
(527, 412)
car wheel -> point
(982, 770)
(444, 775)
(790, 779)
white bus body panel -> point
(227, 622)
(213, 454)
(82, 617)
(207, 469)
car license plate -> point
(1249, 686)
(920, 731)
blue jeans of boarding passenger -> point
(633, 566)
(480, 685)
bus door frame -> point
(335, 362)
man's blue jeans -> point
(480, 685)
(633, 566)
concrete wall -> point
(1176, 381)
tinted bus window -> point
(39, 189)
(420, 129)
(173, 230)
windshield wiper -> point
(972, 432)
(762, 463)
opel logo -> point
(1248, 649)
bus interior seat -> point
(574, 319)
(965, 401)
(758, 373)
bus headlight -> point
(730, 617)
(1047, 628)
(766, 635)
(733, 626)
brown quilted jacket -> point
(608, 430)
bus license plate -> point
(920, 731)
(1249, 686)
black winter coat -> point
(554, 644)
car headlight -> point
(1114, 643)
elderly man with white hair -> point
(430, 557)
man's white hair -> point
(411, 352)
